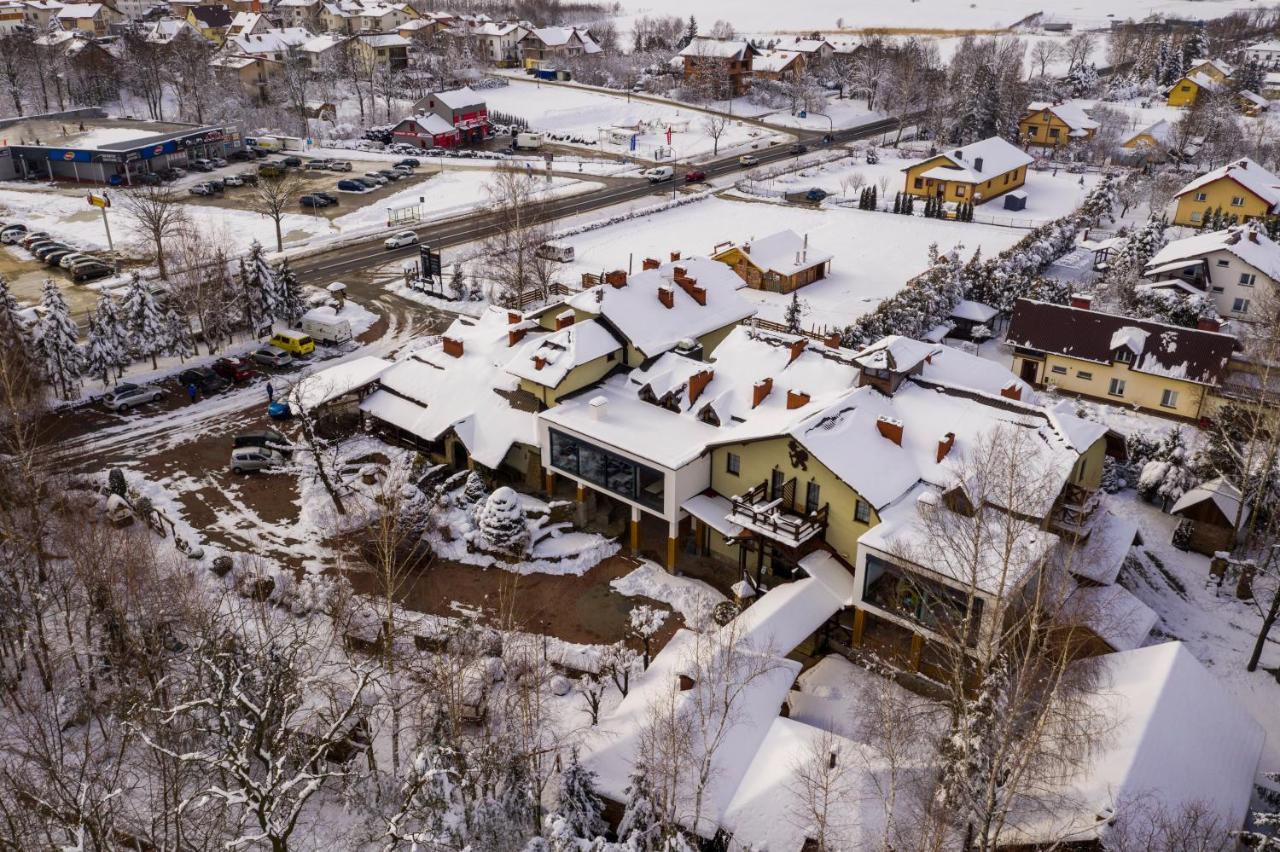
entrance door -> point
(1029, 370)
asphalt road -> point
(334, 264)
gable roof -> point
(457, 98)
(1247, 242)
(1186, 354)
(279, 40)
(705, 46)
(561, 351)
(1221, 493)
(1248, 174)
(776, 61)
(431, 123)
(212, 17)
(1071, 113)
(74, 11)
(785, 253)
(979, 161)
(1161, 133)
(560, 36)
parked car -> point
(218, 162)
(147, 179)
(203, 378)
(75, 257)
(27, 239)
(13, 233)
(89, 271)
(127, 395)
(658, 174)
(268, 438)
(748, 160)
(216, 184)
(233, 180)
(329, 197)
(368, 182)
(378, 179)
(270, 170)
(240, 155)
(695, 176)
(312, 201)
(201, 189)
(351, 186)
(815, 194)
(248, 178)
(390, 174)
(271, 357)
(234, 369)
(317, 165)
(259, 153)
(42, 248)
(54, 257)
(291, 162)
(411, 162)
(339, 166)
(404, 238)
(200, 165)
(799, 148)
(247, 459)
(293, 342)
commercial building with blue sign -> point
(88, 146)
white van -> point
(527, 141)
(659, 174)
(555, 251)
(335, 330)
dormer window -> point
(1124, 356)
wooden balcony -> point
(773, 517)
(1075, 508)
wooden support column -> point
(859, 625)
(635, 531)
(581, 495)
(917, 650)
(673, 535)
(549, 479)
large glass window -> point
(930, 604)
(607, 470)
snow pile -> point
(693, 599)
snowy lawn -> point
(842, 112)
(875, 253)
(690, 597)
(605, 122)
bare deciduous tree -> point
(159, 215)
(273, 196)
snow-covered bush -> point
(500, 524)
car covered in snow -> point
(268, 438)
(127, 395)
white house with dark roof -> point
(1238, 269)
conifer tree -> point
(290, 302)
(13, 330)
(177, 335)
(58, 343)
(897, 202)
(501, 523)
(578, 803)
(142, 321)
(641, 827)
(795, 313)
(872, 203)
(107, 350)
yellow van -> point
(293, 342)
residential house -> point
(1238, 269)
(779, 263)
(211, 22)
(1250, 103)
(778, 65)
(489, 41)
(382, 50)
(304, 14)
(1154, 142)
(815, 50)
(1140, 364)
(1265, 53)
(1055, 124)
(722, 66)
(353, 16)
(39, 13)
(1213, 515)
(975, 173)
(563, 362)
(544, 47)
(1242, 189)
(463, 109)
(324, 50)
(92, 18)
(247, 23)
(12, 16)
(1215, 69)
(252, 74)
(168, 30)
(275, 44)
(426, 130)
(1204, 75)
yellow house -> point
(1055, 124)
(779, 263)
(1165, 369)
(212, 22)
(975, 173)
(92, 18)
(1214, 69)
(1153, 141)
(1242, 189)
(576, 355)
(1189, 87)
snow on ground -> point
(591, 115)
(358, 317)
(843, 112)
(1216, 627)
(692, 598)
(875, 253)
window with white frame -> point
(1237, 201)
(1247, 279)
(1202, 196)
(1085, 376)
(1169, 399)
(1240, 306)
(1116, 388)
(1224, 263)
(732, 463)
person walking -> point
(192, 391)
(271, 393)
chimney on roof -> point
(760, 390)
(698, 383)
(977, 164)
(539, 362)
(797, 399)
(890, 428)
(599, 406)
(1208, 324)
(675, 255)
(690, 286)
(617, 277)
(515, 335)
(797, 349)
(452, 347)
(832, 340)
(1081, 300)
(667, 296)
(564, 320)
(513, 317)
(1012, 391)
(945, 444)
(650, 263)
(679, 272)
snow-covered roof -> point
(269, 41)
(967, 309)
(547, 360)
(896, 353)
(430, 391)
(246, 21)
(713, 510)
(1071, 113)
(1222, 68)
(322, 42)
(560, 36)
(1247, 242)
(1249, 175)
(1220, 492)
(1254, 98)
(1110, 539)
(1264, 46)
(717, 48)
(775, 61)
(1112, 613)
(637, 312)
(384, 39)
(74, 11)
(808, 45)
(166, 30)
(339, 380)
(791, 612)
(958, 369)
(978, 161)
(785, 253)
(1177, 735)
(458, 98)
(431, 123)
(1161, 133)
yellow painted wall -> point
(1219, 193)
(579, 377)
(957, 191)
(1042, 135)
(1183, 93)
(1141, 389)
(1209, 70)
(758, 460)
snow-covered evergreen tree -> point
(577, 801)
(457, 284)
(501, 523)
(107, 349)
(143, 321)
(290, 304)
(1194, 47)
(13, 330)
(177, 334)
(641, 827)
(262, 294)
(58, 344)
(796, 310)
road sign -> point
(98, 200)
(431, 265)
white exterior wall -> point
(1270, 57)
(1225, 270)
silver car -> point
(246, 459)
(125, 396)
(272, 357)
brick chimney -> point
(698, 383)
(515, 335)
(1011, 391)
(1208, 324)
(1081, 300)
(513, 317)
(944, 445)
(760, 390)
(797, 349)
(797, 399)
(675, 255)
(679, 272)
(690, 286)
(650, 263)
(564, 320)
(617, 277)
(539, 362)
(890, 428)
(832, 340)
(453, 347)
(667, 296)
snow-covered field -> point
(610, 121)
(875, 253)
